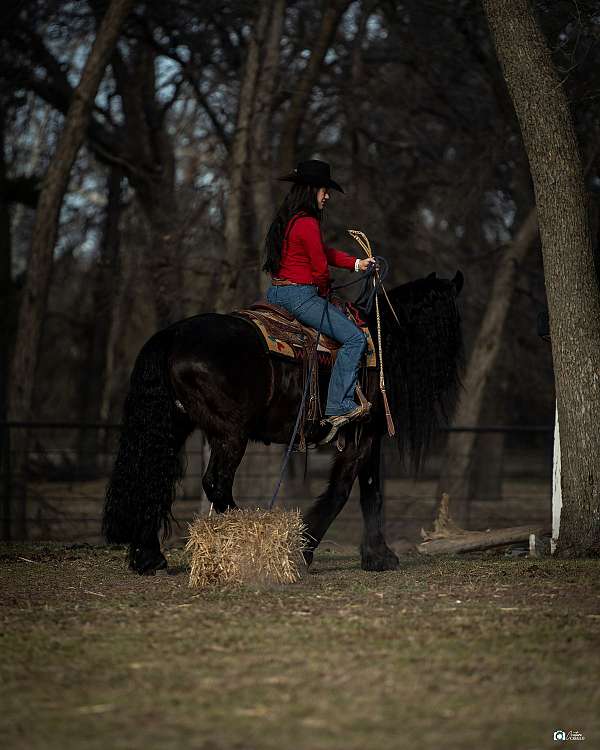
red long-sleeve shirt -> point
(305, 258)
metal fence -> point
(53, 487)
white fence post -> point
(556, 486)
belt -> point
(287, 282)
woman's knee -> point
(357, 341)
(361, 338)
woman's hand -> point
(366, 263)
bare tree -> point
(33, 304)
(254, 107)
(96, 375)
(481, 369)
(236, 243)
(573, 298)
(261, 156)
(303, 87)
(6, 285)
(150, 154)
(415, 117)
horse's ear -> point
(458, 282)
(432, 275)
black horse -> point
(212, 372)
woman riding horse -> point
(211, 372)
(297, 259)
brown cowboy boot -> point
(335, 422)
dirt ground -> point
(485, 651)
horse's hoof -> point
(379, 559)
(146, 562)
(308, 555)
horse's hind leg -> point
(225, 457)
(374, 552)
(145, 555)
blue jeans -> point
(305, 304)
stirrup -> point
(339, 420)
(362, 399)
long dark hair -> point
(301, 199)
(424, 357)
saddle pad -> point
(290, 339)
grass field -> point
(482, 652)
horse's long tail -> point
(148, 466)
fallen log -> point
(447, 537)
(471, 541)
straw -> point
(246, 546)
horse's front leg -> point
(343, 475)
(374, 552)
(225, 457)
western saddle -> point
(285, 337)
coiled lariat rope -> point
(364, 243)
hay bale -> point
(246, 546)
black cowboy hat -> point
(313, 172)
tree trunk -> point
(150, 148)
(7, 316)
(236, 243)
(572, 290)
(480, 370)
(332, 14)
(126, 291)
(6, 284)
(486, 477)
(262, 137)
(105, 281)
(39, 267)
(354, 110)
(164, 260)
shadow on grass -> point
(177, 570)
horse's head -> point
(412, 299)
(456, 283)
